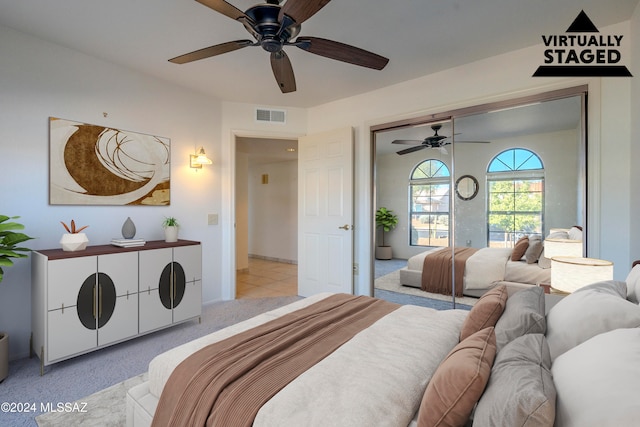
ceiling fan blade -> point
(407, 141)
(224, 8)
(283, 71)
(210, 51)
(411, 149)
(301, 10)
(341, 52)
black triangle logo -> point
(582, 24)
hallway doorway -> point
(266, 209)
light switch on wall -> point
(212, 219)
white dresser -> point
(82, 301)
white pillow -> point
(633, 284)
(589, 311)
(575, 233)
(558, 235)
(597, 381)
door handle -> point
(345, 227)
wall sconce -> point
(200, 158)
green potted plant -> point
(170, 225)
(9, 240)
(387, 221)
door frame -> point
(228, 255)
(590, 144)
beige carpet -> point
(391, 282)
(105, 408)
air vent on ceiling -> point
(272, 116)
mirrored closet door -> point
(482, 177)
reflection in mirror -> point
(413, 178)
(466, 187)
(529, 174)
(529, 165)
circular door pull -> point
(96, 300)
(172, 285)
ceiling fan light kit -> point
(273, 27)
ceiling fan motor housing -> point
(273, 26)
(272, 34)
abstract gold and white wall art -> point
(98, 165)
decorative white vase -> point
(4, 355)
(171, 234)
(74, 242)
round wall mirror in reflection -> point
(466, 187)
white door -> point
(325, 212)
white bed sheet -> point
(489, 267)
(401, 351)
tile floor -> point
(267, 279)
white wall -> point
(497, 78)
(39, 80)
(273, 211)
(634, 194)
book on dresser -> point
(127, 243)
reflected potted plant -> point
(387, 221)
(9, 240)
(74, 239)
(171, 226)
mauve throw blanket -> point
(226, 383)
(436, 270)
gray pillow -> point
(597, 381)
(589, 311)
(533, 251)
(520, 391)
(523, 314)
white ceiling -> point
(419, 37)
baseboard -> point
(268, 258)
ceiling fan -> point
(434, 141)
(273, 26)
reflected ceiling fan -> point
(273, 26)
(434, 141)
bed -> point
(503, 363)
(398, 339)
(522, 266)
(485, 269)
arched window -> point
(515, 187)
(430, 188)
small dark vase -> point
(128, 229)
